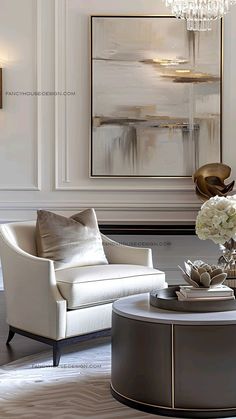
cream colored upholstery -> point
(34, 299)
(92, 285)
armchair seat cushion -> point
(99, 284)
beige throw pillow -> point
(74, 241)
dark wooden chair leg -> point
(56, 345)
(56, 354)
(10, 336)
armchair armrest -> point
(34, 303)
(120, 253)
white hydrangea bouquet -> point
(216, 219)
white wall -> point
(44, 142)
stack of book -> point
(188, 293)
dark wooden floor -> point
(19, 346)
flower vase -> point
(228, 261)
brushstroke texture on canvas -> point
(156, 97)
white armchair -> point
(69, 305)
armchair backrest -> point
(21, 234)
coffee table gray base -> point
(172, 412)
(181, 368)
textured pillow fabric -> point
(74, 241)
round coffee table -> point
(173, 363)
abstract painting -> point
(156, 97)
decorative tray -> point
(166, 299)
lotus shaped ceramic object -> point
(201, 275)
(209, 180)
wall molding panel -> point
(61, 117)
(127, 206)
(38, 85)
(107, 212)
(63, 180)
(39, 70)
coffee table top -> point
(137, 307)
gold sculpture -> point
(209, 180)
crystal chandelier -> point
(199, 14)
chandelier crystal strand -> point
(199, 14)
